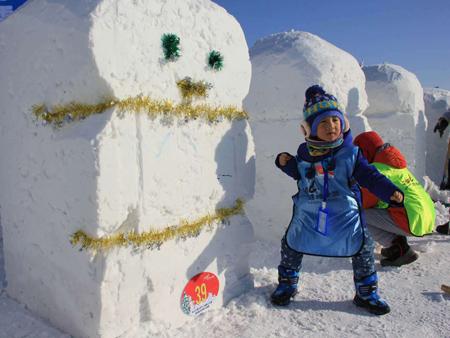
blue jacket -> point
(336, 227)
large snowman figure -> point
(122, 134)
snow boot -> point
(287, 287)
(443, 229)
(400, 253)
(367, 296)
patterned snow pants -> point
(363, 263)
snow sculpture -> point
(396, 111)
(121, 171)
(437, 101)
(283, 66)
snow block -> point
(396, 111)
(120, 171)
(284, 65)
(437, 101)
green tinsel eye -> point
(215, 60)
(171, 46)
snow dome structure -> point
(437, 101)
(397, 95)
(142, 160)
(284, 65)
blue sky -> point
(414, 34)
(14, 3)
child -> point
(393, 224)
(327, 218)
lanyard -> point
(325, 186)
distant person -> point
(440, 126)
(327, 218)
(391, 224)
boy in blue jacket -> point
(328, 219)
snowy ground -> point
(323, 307)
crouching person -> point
(390, 224)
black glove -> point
(277, 160)
(440, 126)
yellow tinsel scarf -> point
(154, 238)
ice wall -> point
(396, 111)
(437, 101)
(119, 171)
(283, 66)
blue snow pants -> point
(363, 262)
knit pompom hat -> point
(318, 105)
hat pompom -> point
(313, 91)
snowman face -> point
(128, 41)
(182, 170)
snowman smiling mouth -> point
(59, 115)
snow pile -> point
(395, 94)
(283, 66)
(437, 101)
(119, 171)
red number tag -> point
(199, 293)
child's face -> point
(329, 128)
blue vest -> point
(340, 233)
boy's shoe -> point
(287, 287)
(408, 257)
(443, 229)
(367, 296)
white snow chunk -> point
(396, 111)
(437, 101)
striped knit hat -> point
(318, 105)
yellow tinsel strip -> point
(154, 238)
(75, 111)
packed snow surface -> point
(323, 307)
